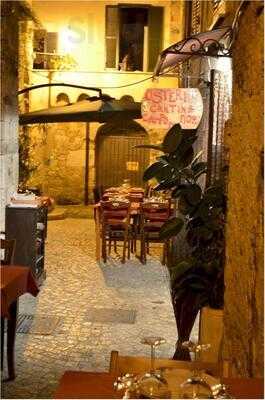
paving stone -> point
(76, 282)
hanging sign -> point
(163, 108)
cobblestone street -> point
(75, 283)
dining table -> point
(16, 280)
(100, 385)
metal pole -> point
(210, 130)
(86, 166)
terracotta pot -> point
(211, 331)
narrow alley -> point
(92, 308)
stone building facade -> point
(57, 152)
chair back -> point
(8, 248)
(136, 190)
(114, 210)
(155, 211)
(135, 197)
(120, 365)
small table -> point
(15, 281)
(99, 385)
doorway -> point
(116, 156)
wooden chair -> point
(8, 248)
(115, 220)
(120, 365)
(152, 217)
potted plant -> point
(198, 279)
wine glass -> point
(152, 385)
(195, 387)
(128, 383)
(220, 391)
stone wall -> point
(57, 156)
(9, 114)
(243, 314)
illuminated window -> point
(133, 37)
(44, 44)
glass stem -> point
(152, 367)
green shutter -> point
(155, 35)
(112, 26)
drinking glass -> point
(220, 391)
(152, 385)
(195, 387)
(128, 383)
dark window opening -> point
(133, 37)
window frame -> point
(145, 45)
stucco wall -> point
(243, 314)
(9, 115)
(87, 19)
(57, 151)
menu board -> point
(163, 108)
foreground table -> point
(15, 281)
(99, 385)
(245, 388)
(87, 385)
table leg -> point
(97, 228)
(2, 341)
(11, 336)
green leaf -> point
(186, 158)
(171, 228)
(183, 206)
(149, 146)
(202, 211)
(187, 141)
(179, 190)
(193, 194)
(203, 232)
(172, 139)
(199, 168)
(164, 173)
(214, 195)
(152, 170)
(195, 159)
(179, 270)
(166, 184)
(189, 132)
(187, 173)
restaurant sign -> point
(163, 108)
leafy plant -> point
(198, 279)
(25, 168)
(62, 62)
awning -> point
(85, 111)
(211, 43)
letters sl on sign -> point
(163, 108)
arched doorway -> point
(116, 156)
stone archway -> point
(116, 156)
